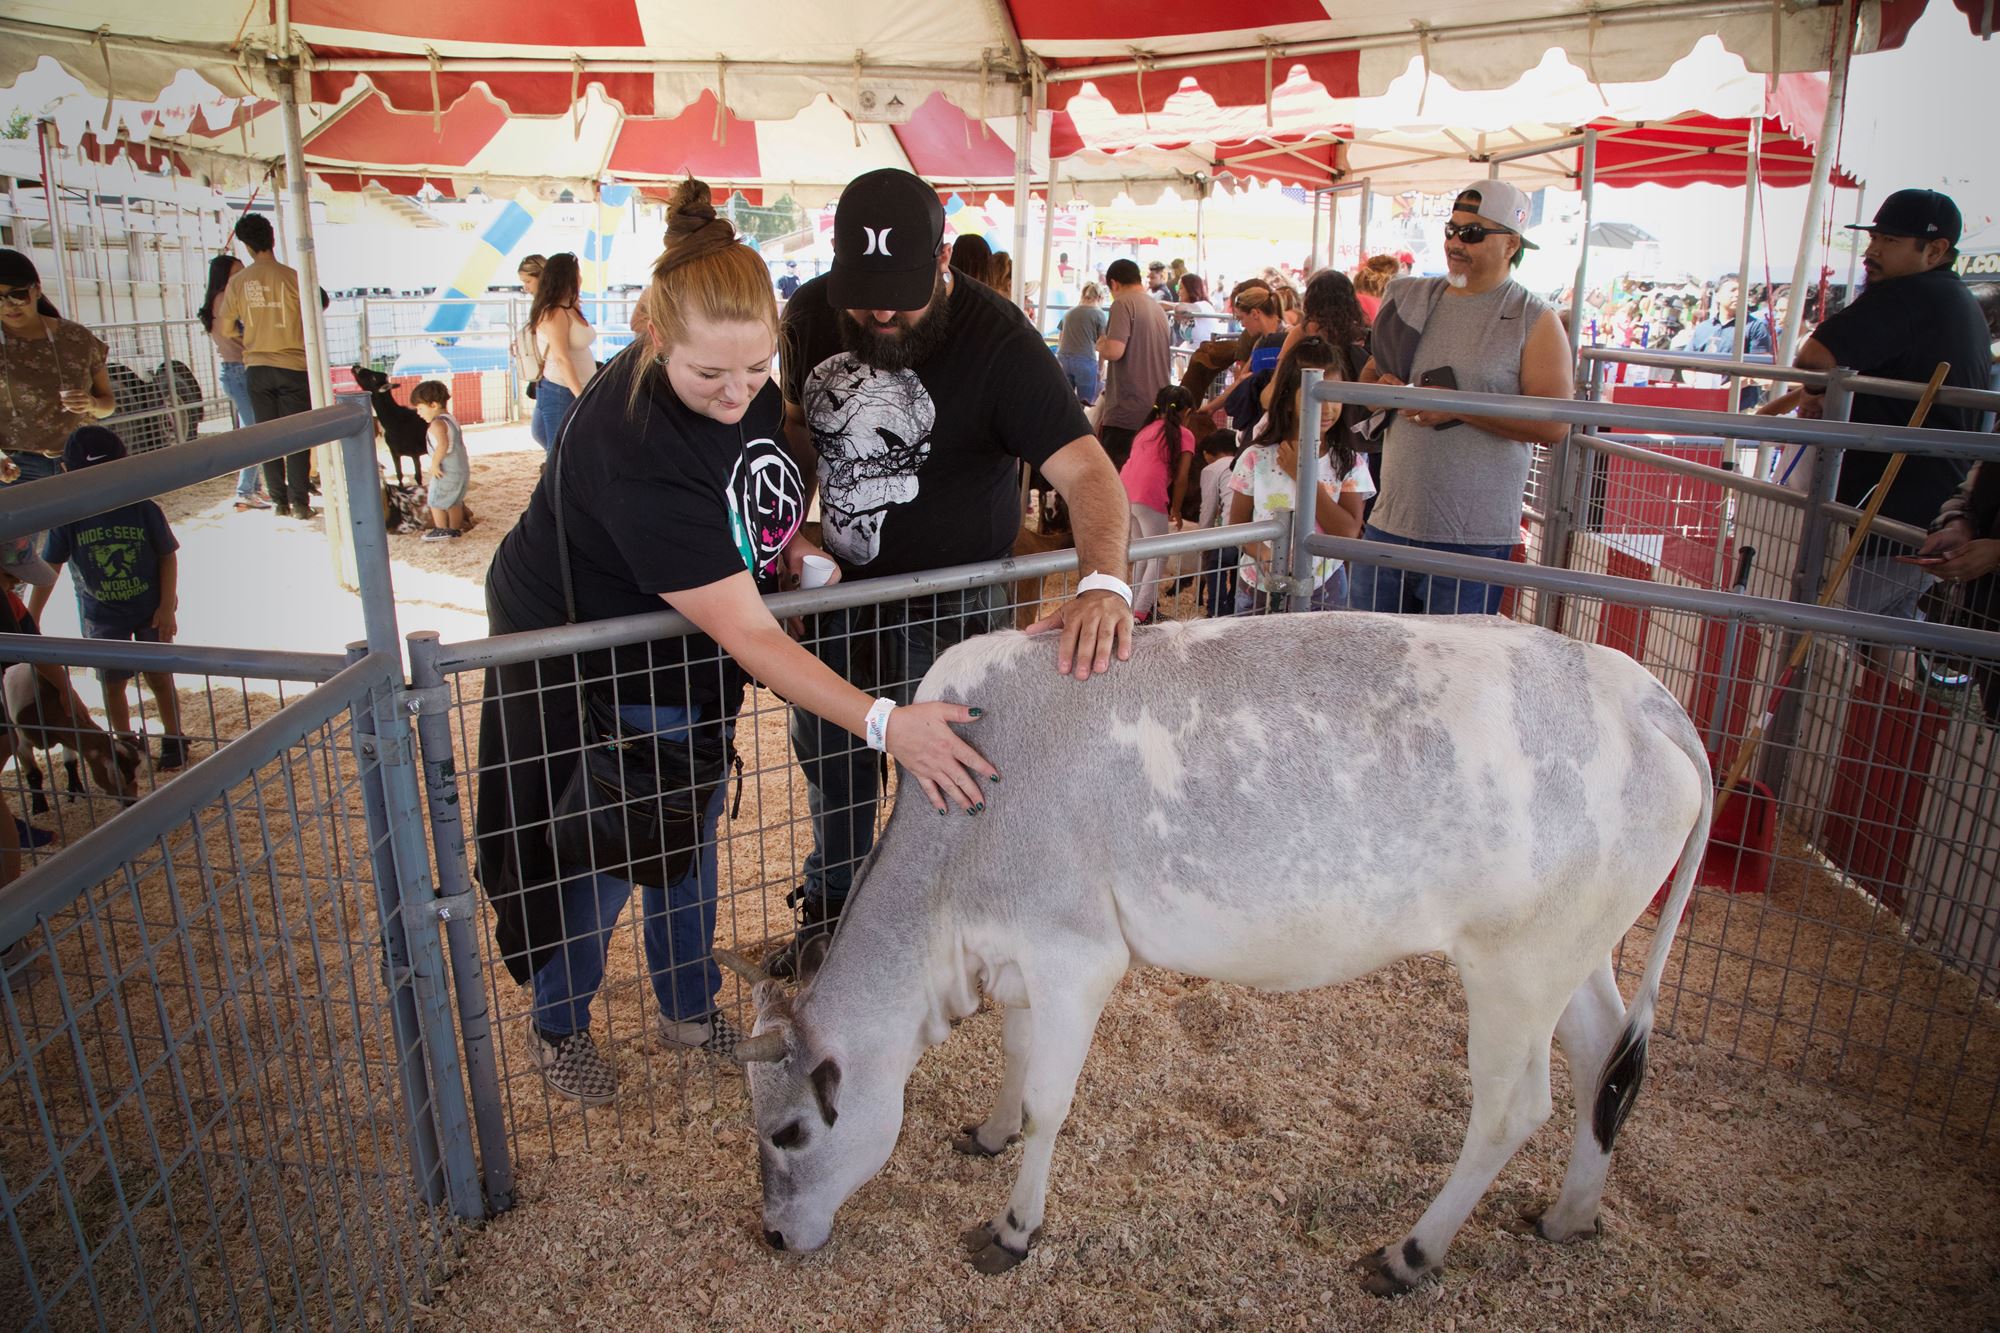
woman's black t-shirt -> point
(656, 498)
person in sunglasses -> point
(52, 375)
(1451, 482)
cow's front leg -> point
(1060, 1028)
(1003, 1126)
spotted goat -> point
(1527, 796)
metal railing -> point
(234, 1085)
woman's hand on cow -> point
(1094, 625)
(921, 739)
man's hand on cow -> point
(920, 738)
(1094, 626)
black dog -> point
(406, 432)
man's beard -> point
(1459, 280)
(916, 341)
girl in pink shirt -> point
(1155, 477)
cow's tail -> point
(1618, 1086)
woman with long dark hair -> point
(1264, 482)
(563, 339)
(669, 486)
(1155, 476)
(233, 375)
(52, 375)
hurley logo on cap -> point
(878, 240)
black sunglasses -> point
(17, 295)
(1472, 233)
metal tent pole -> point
(1048, 249)
(1588, 184)
(1752, 161)
(52, 196)
(1202, 186)
(1024, 151)
(1312, 256)
(298, 212)
(1854, 255)
(1367, 207)
(1805, 266)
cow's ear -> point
(813, 955)
(826, 1088)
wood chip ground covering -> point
(1231, 1152)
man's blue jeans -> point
(883, 650)
(678, 923)
(1375, 588)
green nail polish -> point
(977, 712)
(992, 777)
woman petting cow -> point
(666, 487)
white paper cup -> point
(817, 573)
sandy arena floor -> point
(1229, 1152)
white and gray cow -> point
(1528, 794)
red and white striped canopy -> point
(656, 58)
(802, 99)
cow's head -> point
(826, 1118)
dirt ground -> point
(1229, 1151)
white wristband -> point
(877, 725)
(1104, 583)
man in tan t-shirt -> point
(264, 297)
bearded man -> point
(915, 396)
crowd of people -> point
(907, 397)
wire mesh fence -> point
(165, 377)
(1846, 925)
(213, 1110)
(787, 821)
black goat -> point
(405, 431)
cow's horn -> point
(742, 967)
(765, 1047)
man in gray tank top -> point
(1451, 483)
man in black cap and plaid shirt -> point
(915, 395)
(1913, 313)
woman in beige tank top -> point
(563, 338)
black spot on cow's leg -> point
(1413, 1256)
(1380, 1277)
(1012, 1224)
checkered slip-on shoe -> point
(714, 1034)
(574, 1067)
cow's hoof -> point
(1535, 1222)
(967, 1142)
(38, 804)
(1379, 1275)
(990, 1254)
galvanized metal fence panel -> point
(213, 1109)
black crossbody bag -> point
(632, 807)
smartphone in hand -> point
(1439, 377)
(1920, 559)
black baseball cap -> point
(87, 445)
(1924, 214)
(887, 231)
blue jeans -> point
(552, 404)
(883, 650)
(1081, 372)
(678, 923)
(236, 387)
(1377, 589)
(1329, 596)
(34, 467)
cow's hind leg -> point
(1511, 1017)
(1588, 1030)
(1003, 1126)
(1060, 1026)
